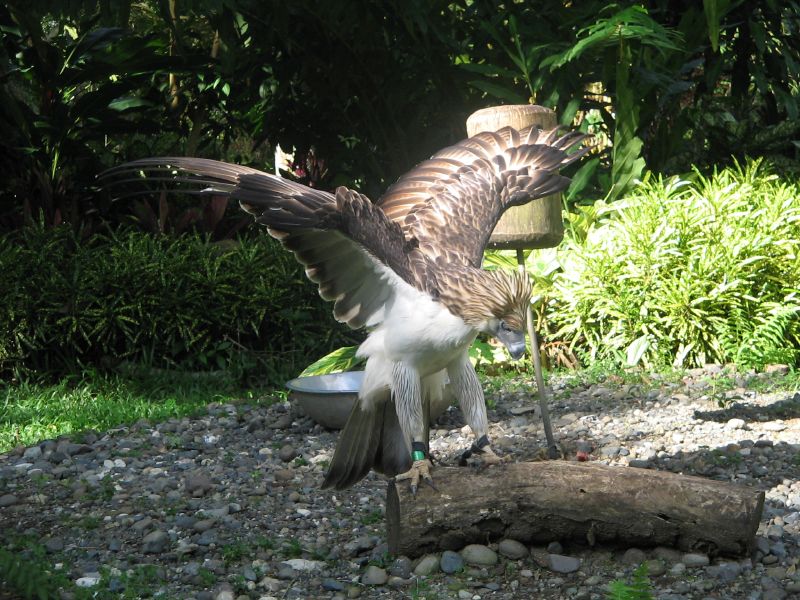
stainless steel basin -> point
(328, 399)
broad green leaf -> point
(499, 91)
(121, 104)
(341, 359)
(714, 10)
(636, 350)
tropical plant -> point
(666, 84)
(183, 302)
(72, 91)
(686, 272)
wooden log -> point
(540, 502)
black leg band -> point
(482, 442)
(418, 451)
(476, 448)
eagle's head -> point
(495, 303)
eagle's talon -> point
(419, 469)
(482, 457)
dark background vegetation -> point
(359, 91)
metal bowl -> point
(328, 399)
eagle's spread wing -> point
(451, 203)
(348, 246)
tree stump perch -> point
(539, 502)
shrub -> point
(685, 273)
(182, 302)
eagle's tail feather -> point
(372, 438)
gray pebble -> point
(655, 567)
(287, 453)
(33, 453)
(693, 560)
(563, 564)
(7, 500)
(374, 576)
(451, 562)
(197, 483)
(155, 542)
(610, 451)
(512, 549)
(185, 521)
(287, 572)
(401, 567)
(669, 555)
(427, 565)
(775, 532)
(332, 585)
(207, 538)
(54, 544)
(204, 525)
(478, 554)
(728, 571)
(778, 549)
(633, 556)
(555, 548)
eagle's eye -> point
(504, 326)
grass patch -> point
(31, 412)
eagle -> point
(406, 267)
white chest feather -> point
(419, 332)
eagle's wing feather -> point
(451, 203)
(348, 246)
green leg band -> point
(417, 451)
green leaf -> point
(714, 10)
(341, 359)
(636, 350)
(128, 102)
(488, 69)
(582, 178)
(499, 91)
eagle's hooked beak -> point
(513, 340)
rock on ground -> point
(227, 504)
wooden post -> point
(540, 502)
(536, 224)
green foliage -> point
(72, 89)
(685, 273)
(341, 359)
(663, 85)
(360, 91)
(31, 412)
(638, 588)
(25, 571)
(182, 302)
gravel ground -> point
(226, 507)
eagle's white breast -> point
(416, 331)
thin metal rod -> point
(544, 399)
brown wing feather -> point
(454, 200)
(347, 244)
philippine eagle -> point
(408, 268)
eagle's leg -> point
(468, 390)
(413, 418)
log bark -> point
(540, 502)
